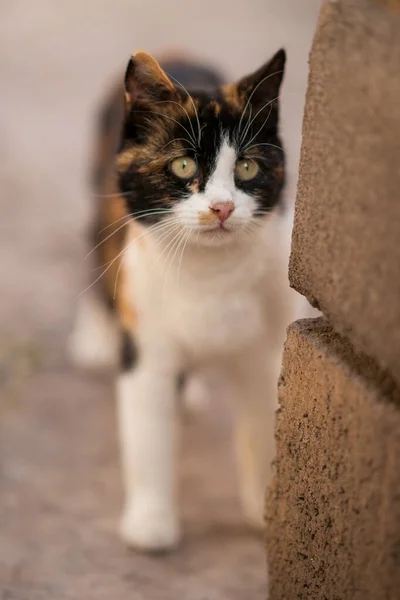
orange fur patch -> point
(231, 95)
(207, 218)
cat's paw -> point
(149, 528)
(253, 511)
(196, 395)
(255, 520)
(94, 341)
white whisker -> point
(133, 243)
(112, 195)
(105, 239)
(143, 213)
(252, 94)
(185, 111)
(181, 257)
(263, 144)
(101, 274)
(172, 253)
(112, 233)
(243, 137)
(177, 140)
(153, 229)
(194, 106)
(246, 127)
(153, 112)
(262, 126)
(167, 246)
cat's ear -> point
(146, 80)
(263, 85)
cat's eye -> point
(184, 167)
(246, 170)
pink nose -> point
(223, 210)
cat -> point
(193, 235)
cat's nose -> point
(223, 210)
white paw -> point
(196, 395)
(253, 510)
(94, 341)
(255, 520)
(149, 528)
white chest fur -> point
(211, 301)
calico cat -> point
(193, 237)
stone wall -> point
(333, 512)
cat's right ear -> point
(145, 80)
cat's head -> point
(209, 164)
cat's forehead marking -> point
(124, 160)
(224, 164)
(215, 106)
(231, 96)
(220, 181)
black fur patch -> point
(193, 76)
(129, 353)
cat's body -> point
(203, 280)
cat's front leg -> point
(147, 414)
(256, 377)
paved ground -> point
(59, 481)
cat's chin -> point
(215, 237)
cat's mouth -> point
(218, 232)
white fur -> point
(94, 341)
(148, 423)
(220, 298)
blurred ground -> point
(59, 481)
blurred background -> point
(57, 60)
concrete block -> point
(333, 510)
(345, 251)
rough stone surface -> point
(345, 250)
(333, 513)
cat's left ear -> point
(263, 86)
(146, 80)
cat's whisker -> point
(194, 107)
(178, 140)
(111, 234)
(128, 216)
(184, 109)
(269, 103)
(181, 257)
(171, 255)
(167, 233)
(238, 134)
(131, 244)
(167, 246)
(121, 262)
(153, 112)
(252, 94)
(111, 195)
(264, 123)
(264, 144)
(153, 229)
(105, 239)
(143, 213)
(101, 274)
(243, 137)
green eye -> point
(184, 167)
(246, 170)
